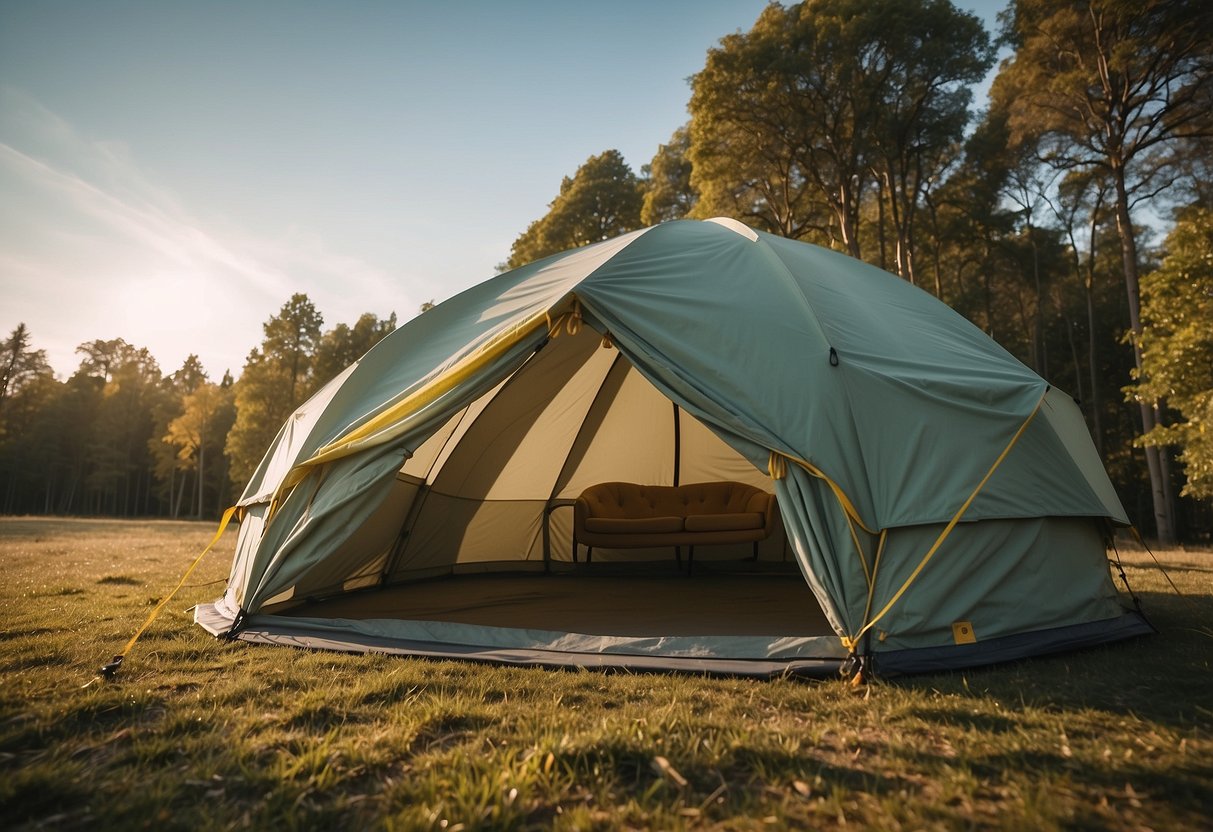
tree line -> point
(121, 438)
(1072, 220)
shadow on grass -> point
(40, 793)
(742, 772)
(120, 580)
(1164, 677)
(445, 731)
(1186, 788)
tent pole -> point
(677, 443)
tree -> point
(194, 431)
(119, 464)
(19, 365)
(1113, 85)
(794, 123)
(272, 385)
(602, 200)
(28, 389)
(291, 338)
(1084, 193)
(165, 460)
(668, 193)
(763, 146)
(918, 61)
(1177, 347)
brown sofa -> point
(624, 515)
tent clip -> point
(237, 624)
(833, 357)
(854, 668)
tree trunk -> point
(1074, 357)
(1164, 519)
(180, 494)
(1092, 366)
(880, 230)
(848, 225)
(1038, 362)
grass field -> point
(197, 733)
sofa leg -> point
(754, 556)
(574, 548)
(678, 556)
(690, 560)
(589, 554)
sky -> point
(171, 173)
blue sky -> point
(170, 173)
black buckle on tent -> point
(855, 668)
(108, 670)
(833, 357)
(234, 630)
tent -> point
(941, 505)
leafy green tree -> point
(19, 365)
(1113, 85)
(602, 200)
(969, 221)
(918, 62)
(275, 377)
(668, 193)
(165, 462)
(794, 122)
(199, 429)
(1080, 208)
(1177, 347)
(763, 148)
(27, 389)
(119, 462)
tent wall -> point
(1003, 577)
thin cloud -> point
(92, 243)
(175, 237)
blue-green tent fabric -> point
(927, 480)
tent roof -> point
(776, 344)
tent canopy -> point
(925, 477)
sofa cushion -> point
(724, 522)
(633, 525)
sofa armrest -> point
(764, 504)
(581, 510)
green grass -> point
(196, 732)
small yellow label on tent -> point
(962, 632)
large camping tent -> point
(941, 505)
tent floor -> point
(617, 605)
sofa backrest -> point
(626, 499)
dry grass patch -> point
(199, 732)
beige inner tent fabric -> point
(478, 494)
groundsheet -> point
(617, 605)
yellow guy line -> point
(368, 433)
(777, 467)
(884, 536)
(112, 667)
(852, 642)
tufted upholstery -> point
(630, 515)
